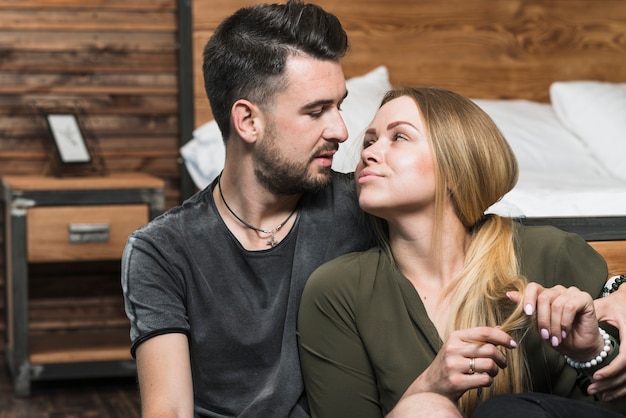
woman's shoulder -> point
(546, 237)
(344, 271)
(552, 256)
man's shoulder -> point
(190, 212)
(341, 189)
(343, 180)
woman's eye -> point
(399, 137)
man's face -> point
(303, 128)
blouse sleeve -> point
(552, 257)
(338, 378)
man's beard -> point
(281, 176)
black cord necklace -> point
(272, 241)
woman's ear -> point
(245, 119)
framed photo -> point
(68, 138)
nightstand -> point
(63, 242)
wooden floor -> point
(104, 398)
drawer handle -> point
(80, 233)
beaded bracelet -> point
(613, 284)
(604, 355)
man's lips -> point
(326, 157)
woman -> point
(451, 300)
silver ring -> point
(471, 367)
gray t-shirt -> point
(185, 272)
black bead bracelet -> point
(613, 284)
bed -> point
(552, 75)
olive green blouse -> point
(365, 336)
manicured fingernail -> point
(554, 342)
(528, 309)
(563, 334)
(545, 334)
(513, 344)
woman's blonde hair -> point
(475, 167)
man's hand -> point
(610, 381)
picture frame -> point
(68, 138)
(70, 144)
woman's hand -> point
(469, 359)
(566, 318)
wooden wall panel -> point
(116, 59)
(480, 48)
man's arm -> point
(164, 372)
(610, 381)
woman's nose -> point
(372, 153)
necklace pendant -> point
(272, 242)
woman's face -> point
(396, 175)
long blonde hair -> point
(475, 167)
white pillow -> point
(204, 153)
(541, 143)
(596, 112)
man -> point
(212, 287)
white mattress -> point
(553, 195)
(561, 174)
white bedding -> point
(563, 150)
(563, 196)
(570, 152)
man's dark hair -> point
(245, 58)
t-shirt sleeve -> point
(153, 296)
(339, 380)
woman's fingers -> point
(565, 318)
(481, 344)
(484, 365)
(559, 310)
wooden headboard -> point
(479, 48)
(493, 49)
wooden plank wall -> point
(116, 59)
(480, 48)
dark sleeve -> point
(338, 378)
(583, 264)
(552, 257)
(153, 297)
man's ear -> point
(246, 120)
